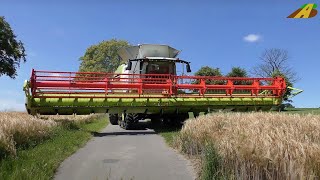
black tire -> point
(113, 118)
(129, 121)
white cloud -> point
(252, 38)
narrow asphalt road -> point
(121, 154)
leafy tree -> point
(208, 71)
(237, 72)
(12, 51)
(102, 57)
(288, 91)
(288, 105)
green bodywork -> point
(147, 105)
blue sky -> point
(210, 33)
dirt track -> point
(119, 154)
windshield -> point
(160, 68)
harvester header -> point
(148, 87)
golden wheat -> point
(73, 118)
(18, 128)
(258, 145)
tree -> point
(238, 72)
(275, 63)
(288, 105)
(286, 95)
(208, 71)
(12, 51)
(275, 60)
(102, 57)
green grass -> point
(303, 110)
(212, 164)
(41, 161)
(168, 133)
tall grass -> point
(19, 129)
(41, 160)
(254, 145)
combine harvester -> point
(148, 87)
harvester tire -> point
(129, 121)
(113, 118)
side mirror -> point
(129, 65)
(188, 68)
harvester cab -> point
(148, 86)
(150, 59)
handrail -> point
(88, 84)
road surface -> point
(121, 154)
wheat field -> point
(17, 128)
(257, 145)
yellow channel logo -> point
(306, 11)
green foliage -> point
(42, 160)
(102, 57)
(212, 164)
(303, 111)
(287, 95)
(208, 71)
(11, 50)
(237, 72)
(168, 133)
(288, 105)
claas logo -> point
(306, 11)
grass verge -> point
(168, 133)
(315, 111)
(212, 162)
(41, 160)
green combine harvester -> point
(148, 86)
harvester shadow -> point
(126, 133)
(161, 129)
(142, 128)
